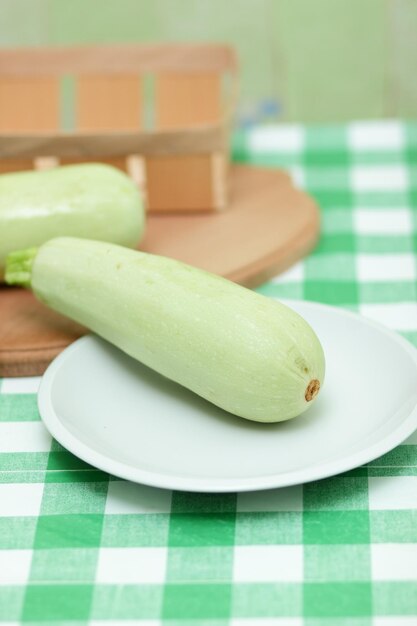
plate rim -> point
(222, 485)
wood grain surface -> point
(267, 227)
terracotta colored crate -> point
(180, 162)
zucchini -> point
(91, 200)
(246, 353)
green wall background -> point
(302, 60)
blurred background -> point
(301, 60)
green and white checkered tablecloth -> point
(81, 547)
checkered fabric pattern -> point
(80, 547)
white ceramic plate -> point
(123, 418)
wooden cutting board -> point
(267, 227)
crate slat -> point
(117, 59)
(184, 100)
(108, 103)
(179, 183)
(197, 140)
(29, 104)
(7, 166)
